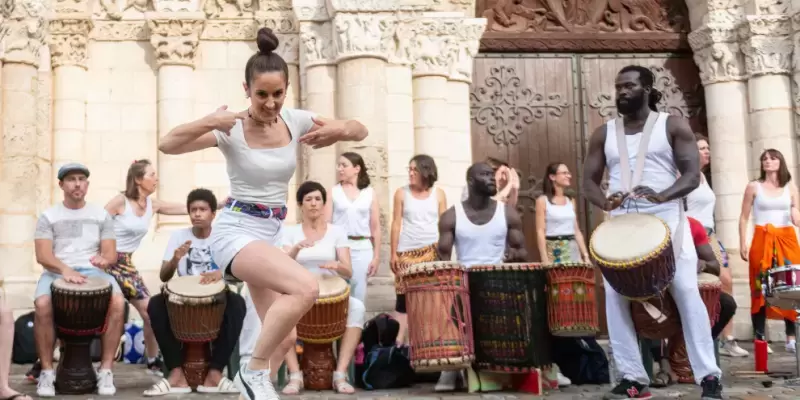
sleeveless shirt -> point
(353, 215)
(130, 228)
(481, 244)
(772, 210)
(420, 221)
(559, 219)
(700, 204)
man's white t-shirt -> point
(322, 252)
(197, 260)
(76, 234)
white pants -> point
(694, 317)
(360, 259)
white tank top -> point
(659, 170)
(772, 210)
(700, 204)
(420, 226)
(559, 219)
(353, 215)
(481, 244)
(130, 228)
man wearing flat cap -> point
(75, 241)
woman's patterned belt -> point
(561, 237)
(359, 237)
(256, 210)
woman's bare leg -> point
(264, 267)
(402, 320)
(350, 340)
(150, 343)
(6, 347)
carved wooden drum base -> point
(75, 373)
(318, 364)
(195, 362)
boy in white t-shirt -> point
(189, 253)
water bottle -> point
(612, 366)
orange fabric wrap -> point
(769, 242)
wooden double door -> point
(534, 109)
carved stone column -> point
(68, 39)
(25, 26)
(767, 47)
(174, 37)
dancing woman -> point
(558, 234)
(132, 211)
(700, 205)
(773, 200)
(354, 208)
(260, 147)
(415, 233)
(322, 248)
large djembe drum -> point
(571, 303)
(439, 318)
(319, 328)
(509, 310)
(80, 313)
(195, 314)
(634, 253)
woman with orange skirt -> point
(773, 200)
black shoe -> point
(34, 372)
(156, 367)
(712, 389)
(628, 390)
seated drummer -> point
(189, 252)
(323, 249)
(706, 262)
(75, 240)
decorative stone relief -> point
(310, 10)
(174, 5)
(115, 9)
(469, 42)
(360, 35)
(71, 6)
(373, 6)
(240, 29)
(717, 53)
(25, 27)
(316, 43)
(118, 31)
(174, 37)
(227, 8)
(67, 40)
(767, 46)
(773, 7)
(274, 5)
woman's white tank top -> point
(700, 204)
(772, 210)
(420, 226)
(353, 215)
(481, 244)
(559, 219)
(130, 228)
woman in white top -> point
(260, 149)
(700, 205)
(558, 234)
(415, 226)
(773, 200)
(323, 249)
(133, 211)
(507, 180)
(354, 208)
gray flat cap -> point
(72, 167)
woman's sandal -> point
(17, 396)
(162, 388)
(662, 380)
(341, 385)
(295, 384)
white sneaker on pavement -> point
(46, 386)
(255, 385)
(105, 383)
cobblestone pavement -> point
(131, 380)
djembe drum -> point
(571, 303)
(80, 313)
(509, 308)
(439, 319)
(322, 325)
(634, 253)
(195, 315)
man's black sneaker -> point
(34, 372)
(628, 390)
(156, 367)
(712, 389)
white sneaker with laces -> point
(729, 347)
(791, 346)
(105, 383)
(563, 380)
(46, 386)
(255, 385)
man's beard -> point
(631, 105)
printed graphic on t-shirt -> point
(198, 261)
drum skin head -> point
(707, 279)
(431, 266)
(92, 283)
(628, 237)
(190, 286)
(331, 286)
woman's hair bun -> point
(266, 40)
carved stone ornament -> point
(176, 5)
(275, 5)
(69, 35)
(175, 37)
(372, 6)
(550, 25)
(115, 10)
(767, 46)
(71, 6)
(469, 42)
(316, 44)
(226, 8)
(238, 29)
(119, 31)
(360, 35)
(311, 10)
(717, 53)
(25, 26)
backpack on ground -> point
(384, 365)
(582, 360)
(24, 348)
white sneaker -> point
(791, 346)
(105, 383)
(46, 386)
(730, 348)
(563, 380)
(447, 381)
(769, 349)
(255, 385)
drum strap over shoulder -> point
(622, 147)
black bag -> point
(385, 366)
(582, 360)
(24, 348)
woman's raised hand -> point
(224, 120)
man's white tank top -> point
(659, 170)
(130, 228)
(481, 244)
